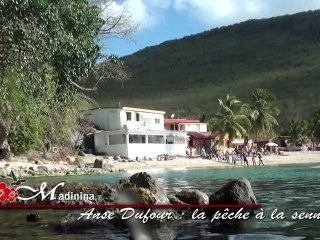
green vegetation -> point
(279, 54)
(231, 118)
(263, 114)
(48, 49)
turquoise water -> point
(287, 188)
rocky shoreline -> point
(25, 168)
(142, 188)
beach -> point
(186, 163)
(26, 168)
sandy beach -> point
(186, 163)
(26, 167)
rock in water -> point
(193, 197)
(234, 192)
(32, 217)
(147, 187)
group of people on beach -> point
(233, 155)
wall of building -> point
(143, 120)
(105, 118)
(140, 144)
(203, 127)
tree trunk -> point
(5, 151)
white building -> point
(135, 132)
(185, 124)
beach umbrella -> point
(271, 144)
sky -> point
(162, 20)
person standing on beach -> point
(254, 159)
(244, 155)
(260, 159)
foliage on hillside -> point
(280, 54)
(47, 50)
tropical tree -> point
(263, 114)
(298, 130)
(47, 51)
(231, 118)
(314, 127)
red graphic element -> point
(4, 192)
(13, 194)
(80, 206)
(7, 193)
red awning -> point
(203, 135)
(180, 120)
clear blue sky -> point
(162, 20)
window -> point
(169, 139)
(135, 138)
(117, 139)
(137, 117)
(157, 120)
(128, 116)
(155, 139)
(179, 139)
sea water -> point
(289, 189)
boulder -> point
(234, 192)
(175, 200)
(143, 188)
(146, 187)
(70, 224)
(32, 217)
(79, 163)
(100, 163)
(193, 197)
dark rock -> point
(175, 200)
(31, 168)
(32, 217)
(99, 163)
(145, 186)
(81, 153)
(234, 192)
(193, 197)
(70, 224)
(79, 163)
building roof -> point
(180, 120)
(142, 110)
(129, 109)
(203, 135)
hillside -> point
(281, 54)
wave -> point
(315, 167)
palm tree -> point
(231, 118)
(263, 114)
(298, 131)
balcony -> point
(135, 125)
